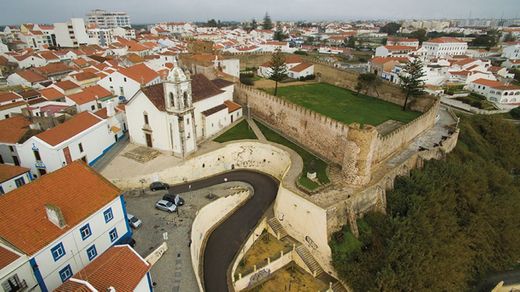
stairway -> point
(338, 287)
(309, 261)
(277, 227)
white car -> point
(166, 206)
(134, 221)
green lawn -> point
(238, 132)
(319, 165)
(344, 105)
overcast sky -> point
(148, 11)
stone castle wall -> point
(400, 137)
(320, 134)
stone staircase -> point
(277, 227)
(338, 287)
(309, 261)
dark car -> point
(176, 199)
(159, 186)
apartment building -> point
(106, 19)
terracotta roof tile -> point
(9, 96)
(140, 73)
(53, 68)
(232, 106)
(82, 76)
(496, 84)
(221, 83)
(13, 129)
(67, 85)
(31, 76)
(76, 189)
(202, 88)
(6, 257)
(69, 129)
(214, 110)
(9, 171)
(51, 94)
(300, 67)
(119, 267)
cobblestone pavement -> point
(174, 271)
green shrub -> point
(515, 113)
(247, 81)
(303, 53)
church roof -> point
(201, 88)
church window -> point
(171, 98)
(185, 99)
(145, 118)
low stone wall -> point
(262, 274)
(262, 157)
(206, 220)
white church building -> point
(181, 112)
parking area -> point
(173, 272)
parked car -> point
(159, 186)
(176, 199)
(166, 206)
(134, 221)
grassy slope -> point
(320, 165)
(238, 132)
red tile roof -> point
(300, 67)
(444, 40)
(383, 60)
(232, 106)
(13, 129)
(400, 48)
(31, 76)
(82, 76)
(6, 257)
(67, 85)
(90, 94)
(51, 94)
(9, 96)
(53, 69)
(9, 171)
(496, 84)
(69, 129)
(140, 73)
(119, 267)
(76, 189)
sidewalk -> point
(255, 129)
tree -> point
(254, 24)
(390, 28)
(212, 23)
(278, 34)
(278, 68)
(366, 81)
(488, 40)
(420, 35)
(267, 24)
(351, 42)
(411, 80)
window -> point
(171, 99)
(145, 119)
(108, 215)
(58, 251)
(2, 190)
(113, 235)
(93, 107)
(80, 147)
(122, 91)
(19, 182)
(110, 79)
(65, 273)
(13, 284)
(85, 232)
(37, 155)
(11, 148)
(1, 159)
(91, 252)
(124, 79)
(16, 161)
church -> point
(181, 112)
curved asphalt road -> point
(227, 238)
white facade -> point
(106, 19)
(121, 85)
(499, 94)
(19, 271)
(511, 52)
(71, 34)
(75, 246)
(444, 48)
(14, 183)
(95, 141)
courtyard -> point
(344, 105)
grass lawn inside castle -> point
(343, 104)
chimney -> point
(55, 215)
(111, 109)
(111, 289)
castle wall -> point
(320, 134)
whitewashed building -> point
(13, 177)
(444, 47)
(176, 114)
(496, 91)
(71, 34)
(75, 216)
